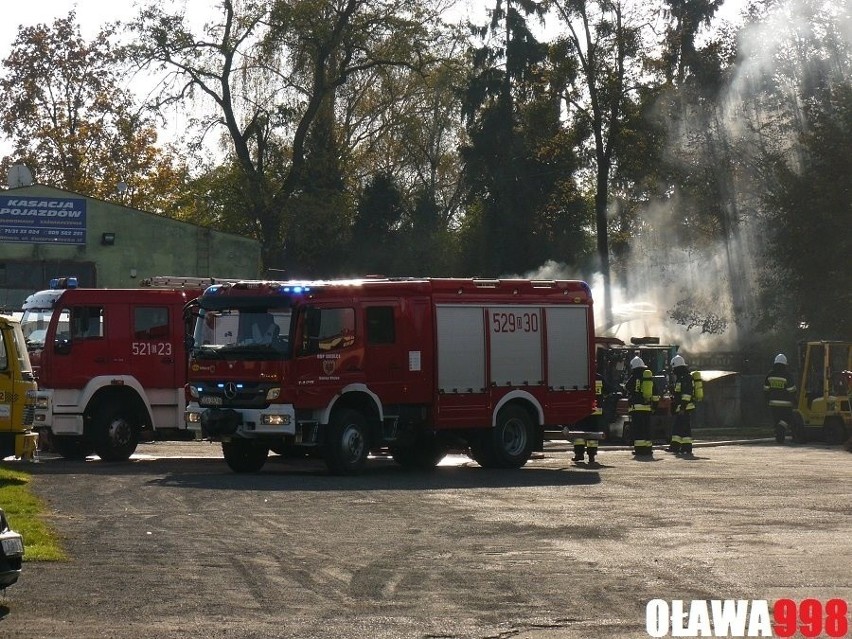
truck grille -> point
(235, 394)
(29, 415)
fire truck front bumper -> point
(215, 423)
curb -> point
(695, 444)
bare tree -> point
(265, 72)
(605, 38)
(71, 122)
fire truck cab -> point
(110, 364)
(409, 367)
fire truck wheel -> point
(347, 443)
(71, 447)
(115, 432)
(425, 454)
(479, 452)
(244, 455)
(509, 444)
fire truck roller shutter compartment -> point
(461, 349)
(567, 347)
(516, 345)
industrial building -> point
(47, 232)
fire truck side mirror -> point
(62, 346)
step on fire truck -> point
(110, 364)
(414, 368)
(17, 393)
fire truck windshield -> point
(34, 323)
(242, 333)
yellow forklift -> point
(823, 412)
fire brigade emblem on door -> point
(230, 390)
(328, 366)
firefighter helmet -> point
(677, 361)
(636, 362)
(781, 358)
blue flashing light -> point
(63, 282)
(221, 386)
(213, 290)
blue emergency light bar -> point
(217, 288)
(63, 282)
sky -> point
(90, 14)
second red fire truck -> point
(411, 367)
(110, 363)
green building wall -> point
(144, 245)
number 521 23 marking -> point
(151, 348)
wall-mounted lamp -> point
(108, 239)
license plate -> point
(211, 400)
(13, 546)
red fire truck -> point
(110, 364)
(410, 367)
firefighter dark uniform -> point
(780, 391)
(586, 438)
(640, 389)
(682, 404)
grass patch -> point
(24, 511)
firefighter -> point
(683, 405)
(586, 442)
(779, 389)
(640, 388)
(263, 330)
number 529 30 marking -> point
(514, 323)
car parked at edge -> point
(11, 553)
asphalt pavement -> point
(174, 545)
